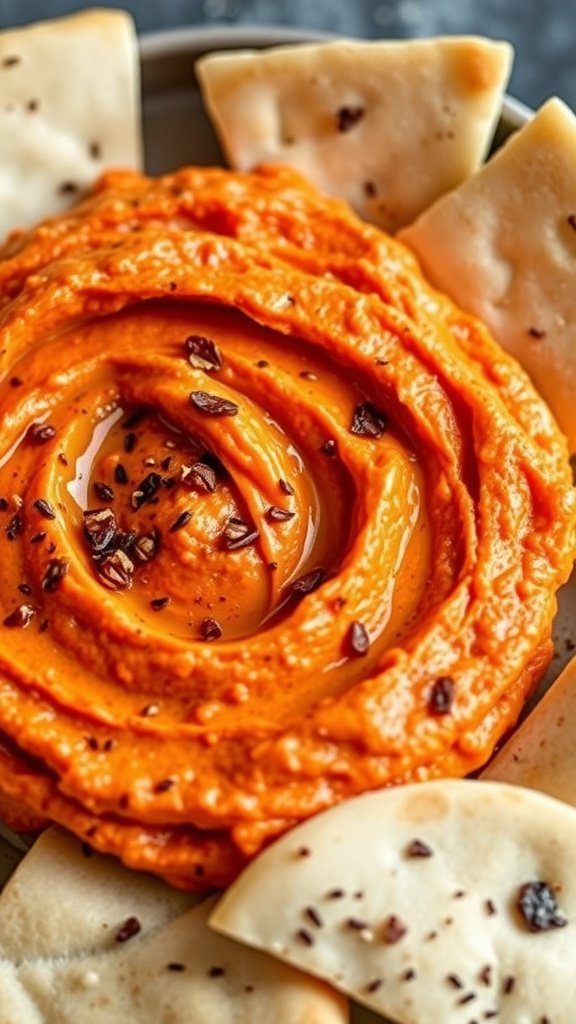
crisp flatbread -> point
(503, 245)
(388, 126)
(422, 902)
(85, 941)
(69, 107)
(541, 754)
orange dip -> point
(327, 518)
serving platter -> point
(177, 132)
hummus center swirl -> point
(273, 530)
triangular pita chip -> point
(541, 754)
(388, 126)
(85, 941)
(69, 107)
(503, 245)
(449, 901)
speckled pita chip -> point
(388, 126)
(85, 941)
(503, 246)
(449, 901)
(69, 107)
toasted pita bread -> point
(541, 753)
(70, 107)
(503, 245)
(61, 961)
(409, 900)
(388, 126)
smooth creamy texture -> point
(444, 538)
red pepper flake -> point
(150, 711)
(335, 894)
(103, 492)
(262, 364)
(441, 696)
(348, 117)
(374, 985)
(536, 332)
(16, 382)
(212, 405)
(393, 929)
(128, 930)
(68, 188)
(4, 504)
(54, 574)
(216, 972)
(455, 980)
(164, 785)
(199, 475)
(370, 189)
(120, 474)
(418, 848)
(210, 629)
(305, 937)
(130, 442)
(285, 487)
(485, 975)
(357, 924)
(95, 150)
(279, 515)
(146, 490)
(25, 588)
(158, 603)
(43, 626)
(509, 985)
(202, 353)
(166, 463)
(409, 974)
(238, 534)
(468, 998)
(272, 566)
(174, 966)
(314, 916)
(20, 617)
(571, 219)
(308, 375)
(329, 448)
(309, 581)
(491, 908)
(40, 433)
(180, 521)
(45, 508)
(537, 905)
(357, 639)
(11, 61)
(368, 421)
(14, 527)
(304, 851)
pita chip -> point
(69, 107)
(85, 941)
(451, 901)
(388, 126)
(503, 246)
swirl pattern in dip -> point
(278, 523)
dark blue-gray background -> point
(543, 31)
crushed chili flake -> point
(262, 364)
(44, 508)
(485, 975)
(150, 710)
(309, 581)
(20, 617)
(536, 332)
(14, 527)
(357, 924)
(370, 189)
(38, 537)
(130, 442)
(358, 639)
(146, 490)
(285, 487)
(16, 382)
(455, 980)
(166, 463)
(210, 629)
(571, 218)
(418, 848)
(374, 985)
(335, 894)
(329, 448)
(25, 588)
(490, 907)
(181, 521)
(537, 905)
(68, 188)
(120, 474)
(368, 421)
(199, 475)
(164, 785)
(103, 492)
(54, 573)
(393, 929)
(308, 375)
(305, 936)
(441, 696)
(238, 534)
(100, 528)
(95, 150)
(409, 974)
(468, 998)
(158, 603)
(11, 61)
(128, 930)
(216, 972)
(212, 405)
(508, 985)
(304, 851)
(3, 504)
(314, 916)
(279, 515)
(202, 353)
(348, 117)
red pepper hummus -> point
(278, 523)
